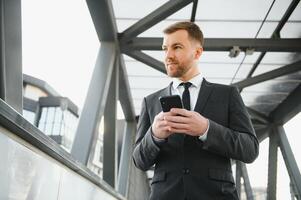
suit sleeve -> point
(146, 150)
(237, 141)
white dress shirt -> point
(194, 90)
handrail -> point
(14, 122)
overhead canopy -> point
(254, 45)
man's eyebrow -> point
(175, 44)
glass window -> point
(234, 10)
(58, 115)
(50, 114)
(48, 128)
(42, 127)
(43, 115)
(56, 129)
(121, 8)
(29, 116)
(43, 119)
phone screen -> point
(169, 102)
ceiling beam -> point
(258, 116)
(103, 18)
(193, 12)
(290, 107)
(148, 60)
(153, 18)
(288, 69)
(263, 133)
(222, 44)
(285, 18)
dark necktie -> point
(186, 95)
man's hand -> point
(185, 121)
(160, 128)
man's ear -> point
(198, 52)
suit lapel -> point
(204, 94)
(166, 91)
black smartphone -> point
(169, 102)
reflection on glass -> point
(55, 121)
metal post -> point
(125, 158)
(110, 144)
(272, 166)
(11, 81)
(238, 178)
(289, 159)
(247, 184)
(87, 130)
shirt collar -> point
(196, 81)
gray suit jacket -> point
(186, 167)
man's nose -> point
(169, 54)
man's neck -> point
(189, 75)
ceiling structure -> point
(255, 46)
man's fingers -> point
(177, 118)
(174, 130)
(178, 125)
(180, 111)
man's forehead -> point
(173, 41)
(177, 37)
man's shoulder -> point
(157, 94)
(219, 86)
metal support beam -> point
(125, 158)
(110, 144)
(193, 12)
(293, 191)
(238, 175)
(258, 116)
(288, 69)
(285, 17)
(272, 166)
(148, 60)
(125, 96)
(262, 133)
(153, 18)
(222, 44)
(247, 184)
(256, 64)
(103, 18)
(258, 45)
(289, 159)
(87, 130)
(11, 82)
(290, 107)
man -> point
(192, 147)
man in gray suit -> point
(191, 147)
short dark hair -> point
(193, 30)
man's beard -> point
(179, 72)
